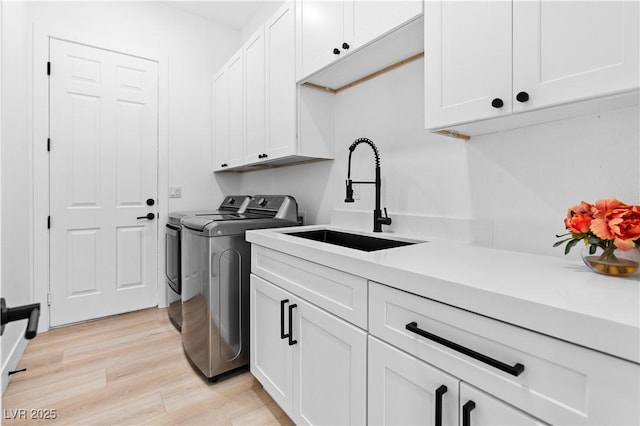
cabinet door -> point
(402, 389)
(330, 383)
(236, 126)
(270, 354)
(319, 31)
(570, 50)
(254, 97)
(478, 408)
(281, 82)
(221, 119)
(468, 64)
(366, 20)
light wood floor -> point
(129, 369)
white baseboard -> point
(13, 359)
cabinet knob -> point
(345, 46)
(497, 103)
(223, 165)
(522, 97)
(336, 51)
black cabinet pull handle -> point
(336, 51)
(439, 392)
(282, 303)
(30, 312)
(290, 335)
(497, 103)
(345, 46)
(148, 216)
(466, 413)
(522, 97)
(514, 370)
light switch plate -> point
(175, 192)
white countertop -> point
(553, 296)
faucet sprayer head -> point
(349, 198)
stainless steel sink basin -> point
(354, 241)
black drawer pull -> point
(439, 392)
(282, 303)
(466, 412)
(290, 335)
(514, 370)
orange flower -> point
(605, 205)
(625, 225)
(579, 218)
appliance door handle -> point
(291, 341)
(514, 370)
(466, 412)
(282, 333)
(172, 227)
(439, 392)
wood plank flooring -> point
(128, 370)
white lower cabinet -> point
(312, 363)
(406, 391)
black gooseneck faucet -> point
(378, 220)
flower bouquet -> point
(610, 230)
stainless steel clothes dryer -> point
(215, 282)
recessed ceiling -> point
(234, 14)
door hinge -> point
(48, 299)
(48, 68)
(48, 144)
(48, 222)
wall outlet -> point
(356, 191)
(175, 192)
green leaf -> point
(570, 245)
(563, 235)
(561, 242)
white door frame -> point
(40, 164)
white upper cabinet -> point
(254, 97)
(565, 50)
(468, 63)
(488, 59)
(320, 34)
(228, 114)
(330, 30)
(280, 52)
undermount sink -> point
(354, 241)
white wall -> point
(516, 185)
(195, 48)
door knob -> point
(345, 46)
(522, 97)
(150, 201)
(336, 51)
(497, 103)
(149, 216)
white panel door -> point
(280, 52)
(254, 98)
(330, 372)
(319, 28)
(221, 119)
(103, 168)
(236, 115)
(467, 48)
(569, 50)
(481, 409)
(405, 391)
(366, 20)
(271, 354)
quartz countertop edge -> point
(554, 296)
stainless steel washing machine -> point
(216, 265)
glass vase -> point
(612, 261)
